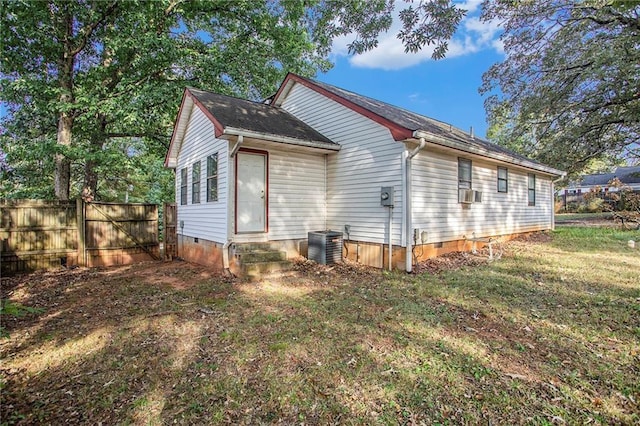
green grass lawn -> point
(547, 334)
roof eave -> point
(326, 146)
(170, 160)
(438, 140)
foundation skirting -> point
(376, 255)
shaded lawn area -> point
(586, 219)
(550, 333)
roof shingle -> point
(256, 117)
(627, 175)
(415, 122)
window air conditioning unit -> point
(466, 196)
(469, 196)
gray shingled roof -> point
(626, 175)
(413, 121)
(256, 117)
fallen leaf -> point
(516, 376)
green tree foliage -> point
(79, 76)
(568, 91)
(92, 87)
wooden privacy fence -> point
(44, 234)
(170, 230)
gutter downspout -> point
(408, 204)
(225, 256)
(236, 147)
(225, 247)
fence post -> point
(82, 254)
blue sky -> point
(446, 90)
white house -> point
(574, 193)
(628, 176)
(257, 177)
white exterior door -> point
(251, 192)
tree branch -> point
(88, 30)
(616, 17)
(157, 137)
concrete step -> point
(249, 247)
(257, 256)
(257, 269)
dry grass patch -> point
(547, 334)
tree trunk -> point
(90, 186)
(90, 181)
(62, 178)
(63, 164)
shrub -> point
(593, 205)
(624, 203)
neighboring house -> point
(573, 194)
(629, 176)
(318, 157)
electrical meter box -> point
(386, 196)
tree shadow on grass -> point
(172, 343)
(104, 334)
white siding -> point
(369, 159)
(207, 220)
(437, 211)
(296, 194)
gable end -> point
(181, 122)
(398, 132)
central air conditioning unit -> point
(466, 196)
(325, 247)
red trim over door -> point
(398, 132)
(266, 188)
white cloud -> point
(498, 46)
(390, 55)
(472, 37)
(339, 45)
(486, 31)
(471, 6)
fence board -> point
(118, 234)
(170, 222)
(44, 234)
(37, 235)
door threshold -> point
(251, 238)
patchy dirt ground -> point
(528, 338)
(456, 260)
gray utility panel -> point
(386, 196)
(325, 247)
